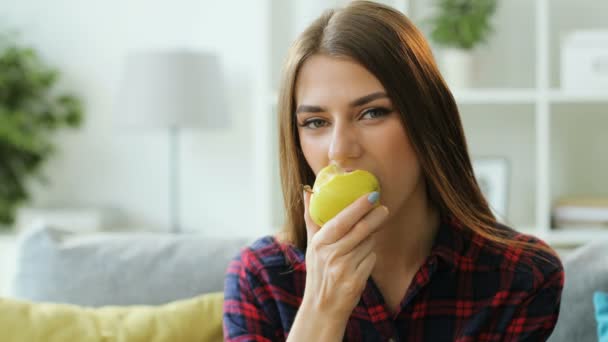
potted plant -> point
(458, 26)
(31, 110)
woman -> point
(361, 89)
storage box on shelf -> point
(584, 62)
(581, 213)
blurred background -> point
(160, 116)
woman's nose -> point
(344, 143)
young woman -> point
(361, 89)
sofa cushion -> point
(586, 272)
(195, 319)
(112, 268)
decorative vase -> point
(458, 67)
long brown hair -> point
(386, 43)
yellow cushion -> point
(195, 319)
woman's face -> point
(344, 116)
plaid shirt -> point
(469, 289)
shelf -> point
(578, 96)
(574, 237)
(567, 236)
(495, 95)
(526, 95)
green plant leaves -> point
(29, 115)
(461, 23)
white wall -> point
(103, 166)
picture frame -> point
(493, 177)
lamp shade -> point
(162, 89)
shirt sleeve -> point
(535, 318)
(244, 318)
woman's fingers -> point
(360, 252)
(365, 268)
(368, 225)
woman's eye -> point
(313, 123)
(375, 112)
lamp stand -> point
(174, 173)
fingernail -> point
(373, 197)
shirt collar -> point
(449, 242)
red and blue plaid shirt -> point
(469, 289)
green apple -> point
(335, 189)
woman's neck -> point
(406, 239)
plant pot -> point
(458, 68)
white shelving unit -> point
(541, 97)
(495, 96)
(561, 96)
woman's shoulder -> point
(525, 255)
(543, 260)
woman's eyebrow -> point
(309, 109)
(368, 98)
(358, 102)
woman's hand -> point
(340, 257)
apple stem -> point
(307, 189)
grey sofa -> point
(112, 268)
(586, 272)
(154, 268)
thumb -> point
(311, 227)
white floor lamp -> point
(172, 90)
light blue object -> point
(600, 301)
(373, 197)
